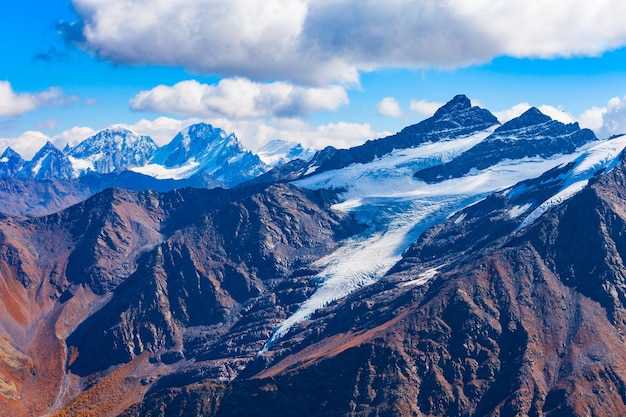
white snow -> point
(80, 166)
(603, 155)
(392, 173)
(278, 151)
(460, 219)
(4, 160)
(162, 172)
(517, 211)
(37, 167)
(598, 156)
(423, 277)
(398, 208)
(555, 200)
(311, 170)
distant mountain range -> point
(200, 149)
(461, 267)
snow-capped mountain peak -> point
(278, 151)
(111, 150)
(530, 117)
(48, 163)
(204, 149)
(10, 163)
(195, 142)
(458, 103)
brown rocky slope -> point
(106, 298)
(515, 323)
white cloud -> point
(26, 144)
(425, 108)
(516, 110)
(72, 136)
(389, 107)
(556, 113)
(615, 117)
(16, 104)
(512, 112)
(47, 124)
(333, 40)
(254, 133)
(161, 130)
(606, 121)
(593, 118)
(239, 98)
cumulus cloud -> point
(16, 104)
(239, 98)
(425, 108)
(26, 144)
(593, 118)
(161, 129)
(72, 136)
(606, 121)
(339, 134)
(389, 107)
(333, 40)
(555, 113)
(254, 133)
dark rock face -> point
(10, 163)
(48, 163)
(455, 119)
(115, 150)
(192, 280)
(232, 254)
(532, 134)
(24, 196)
(515, 323)
(160, 304)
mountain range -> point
(461, 267)
(199, 156)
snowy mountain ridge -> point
(111, 150)
(202, 148)
(390, 196)
(278, 152)
(199, 150)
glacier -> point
(398, 207)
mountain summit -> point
(455, 119)
(48, 163)
(532, 134)
(10, 163)
(458, 268)
(112, 150)
(204, 149)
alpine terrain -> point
(461, 267)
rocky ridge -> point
(142, 303)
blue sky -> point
(334, 72)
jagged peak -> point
(10, 153)
(530, 117)
(460, 102)
(117, 129)
(113, 132)
(199, 128)
(49, 146)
